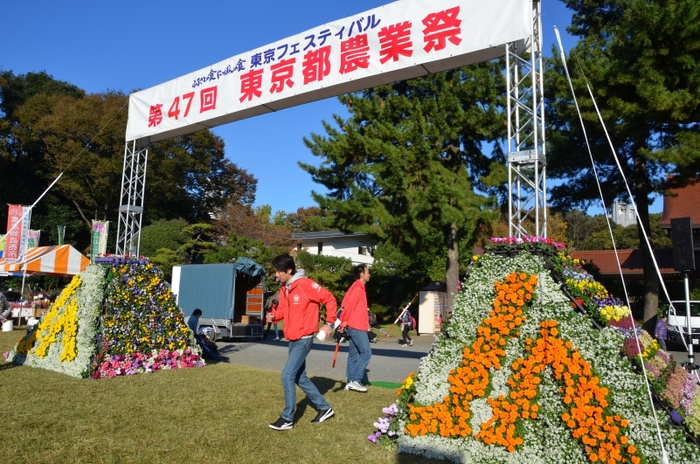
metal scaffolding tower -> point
(133, 191)
(527, 186)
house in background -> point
(356, 247)
(678, 203)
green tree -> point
(190, 177)
(242, 247)
(48, 127)
(333, 273)
(642, 61)
(21, 161)
(50, 214)
(311, 219)
(198, 241)
(404, 166)
(241, 220)
(597, 235)
(83, 139)
(165, 259)
(162, 234)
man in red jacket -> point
(299, 300)
(354, 321)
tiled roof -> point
(604, 261)
(685, 203)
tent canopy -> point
(56, 260)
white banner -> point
(394, 42)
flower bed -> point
(551, 388)
(118, 318)
(141, 329)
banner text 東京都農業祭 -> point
(394, 42)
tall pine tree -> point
(642, 61)
(403, 167)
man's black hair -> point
(197, 312)
(358, 269)
(284, 262)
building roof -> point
(326, 234)
(682, 202)
(605, 263)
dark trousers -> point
(404, 332)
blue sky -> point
(131, 45)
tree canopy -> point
(403, 167)
(48, 127)
(642, 61)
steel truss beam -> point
(132, 195)
(527, 186)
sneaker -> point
(410, 343)
(355, 386)
(281, 424)
(322, 415)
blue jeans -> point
(294, 373)
(277, 332)
(359, 353)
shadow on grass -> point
(324, 385)
(8, 365)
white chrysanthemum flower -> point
(546, 439)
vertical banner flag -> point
(2, 245)
(61, 234)
(18, 219)
(100, 230)
(33, 238)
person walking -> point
(354, 323)
(271, 304)
(298, 306)
(661, 330)
(406, 327)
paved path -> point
(390, 361)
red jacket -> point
(355, 311)
(298, 306)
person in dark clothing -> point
(661, 331)
(405, 328)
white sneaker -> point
(355, 386)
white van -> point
(678, 323)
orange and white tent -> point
(47, 260)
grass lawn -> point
(215, 414)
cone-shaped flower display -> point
(517, 375)
(116, 318)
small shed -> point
(432, 308)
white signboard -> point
(394, 42)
